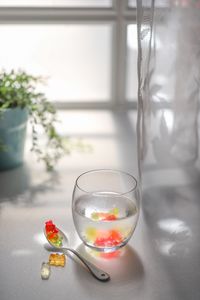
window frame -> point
(120, 15)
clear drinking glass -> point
(105, 208)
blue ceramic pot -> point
(13, 123)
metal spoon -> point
(95, 271)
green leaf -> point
(20, 89)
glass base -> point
(104, 255)
(105, 249)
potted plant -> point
(20, 101)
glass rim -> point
(108, 170)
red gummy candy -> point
(110, 218)
(106, 217)
(55, 230)
(50, 227)
(115, 235)
(113, 239)
(52, 235)
(108, 242)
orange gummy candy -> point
(56, 259)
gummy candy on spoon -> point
(53, 233)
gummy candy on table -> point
(56, 259)
(45, 270)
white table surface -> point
(162, 260)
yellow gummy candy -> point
(115, 211)
(91, 233)
(56, 259)
(95, 216)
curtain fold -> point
(168, 87)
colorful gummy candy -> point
(105, 216)
(108, 238)
(56, 259)
(53, 233)
(104, 238)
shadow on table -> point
(172, 217)
(17, 185)
(126, 272)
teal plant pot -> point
(13, 123)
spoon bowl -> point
(64, 240)
(94, 270)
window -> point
(131, 69)
(86, 49)
(56, 3)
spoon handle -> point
(95, 271)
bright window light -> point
(66, 3)
(76, 58)
(131, 63)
